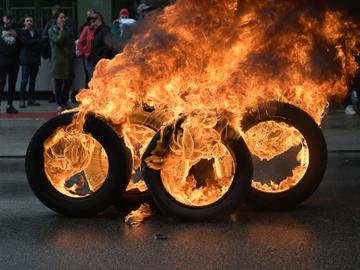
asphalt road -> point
(322, 233)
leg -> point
(24, 80)
(34, 69)
(87, 78)
(3, 74)
(13, 72)
(89, 68)
(58, 83)
(66, 90)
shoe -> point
(33, 103)
(22, 104)
(349, 110)
(11, 109)
(62, 108)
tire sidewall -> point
(316, 143)
(227, 204)
(119, 159)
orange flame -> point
(224, 58)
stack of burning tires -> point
(81, 175)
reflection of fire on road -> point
(217, 62)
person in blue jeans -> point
(30, 61)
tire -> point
(117, 178)
(225, 205)
(153, 120)
(304, 123)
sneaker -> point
(349, 110)
(11, 109)
(33, 103)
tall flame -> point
(207, 59)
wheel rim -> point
(198, 183)
(75, 163)
(282, 153)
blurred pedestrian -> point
(142, 9)
(30, 61)
(122, 27)
(353, 99)
(84, 45)
(104, 44)
(62, 59)
(10, 43)
(46, 47)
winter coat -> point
(62, 53)
(104, 45)
(84, 41)
(9, 47)
(31, 51)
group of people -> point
(60, 43)
(19, 47)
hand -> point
(61, 25)
(13, 32)
(116, 21)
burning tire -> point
(102, 161)
(145, 122)
(240, 172)
(289, 132)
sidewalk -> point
(342, 132)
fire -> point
(220, 60)
(270, 139)
(75, 163)
(136, 217)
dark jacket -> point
(9, 52)
(104, 45)
(31, 51)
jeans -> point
(355, 86)
(89, 69)
(28, 74)
(62, 90)
(10, 72)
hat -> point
(142, 7)
(123, 12)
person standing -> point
(9, 59)
(122, 27)
(104, 44)
(30, 61)
(84, 46)
(62, 43)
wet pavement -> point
(322, 233)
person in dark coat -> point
(62, 59)
(30, 61)
(10, 43)
(104, 44)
